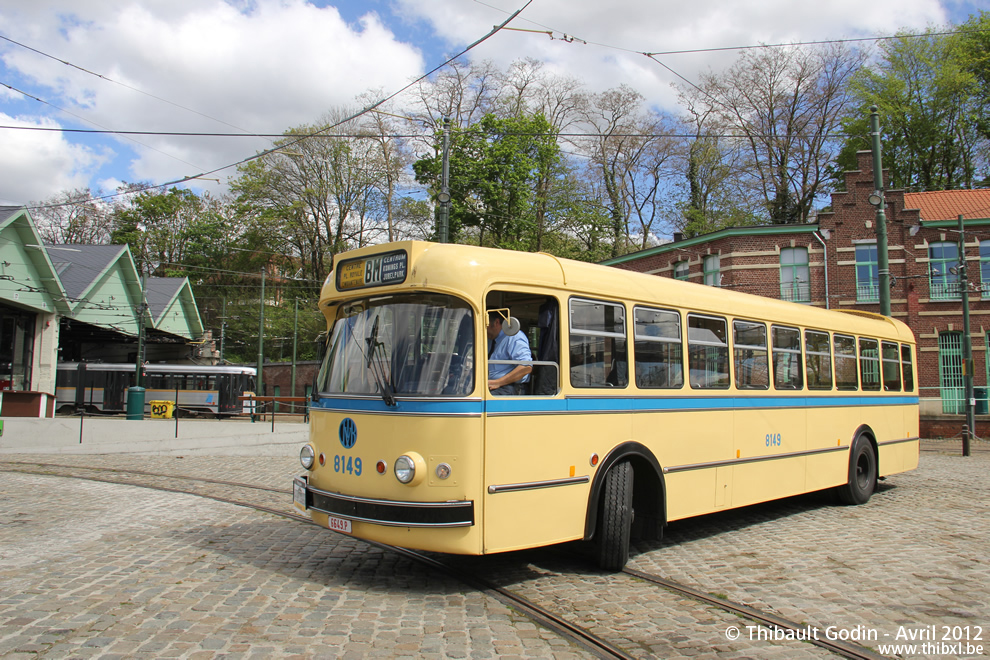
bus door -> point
(527, 466)
(114, 388)
(227, 386)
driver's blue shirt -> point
(515, 347)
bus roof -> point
(471, 271)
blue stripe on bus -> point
(524, 405)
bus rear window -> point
(907, 366)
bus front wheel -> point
(615, 518)
(862, 473)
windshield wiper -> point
(376, 359)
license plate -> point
(299, 493)
(339, 524)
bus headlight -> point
(410, 468)
(307, 456)
(405, 469)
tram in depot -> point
(649, 400)
(195, 389)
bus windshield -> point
(401, 345)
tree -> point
(499, 179)
(975, 51)
(313, 195)
(164, 228)
(930, 113)
(631, 156)
(73, 216)
(785, 107)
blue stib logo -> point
(348, 433)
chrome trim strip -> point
(754, 459)
(369, 500)
(395, 413)
(533, 485)
(898, 441)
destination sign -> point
(379, 270)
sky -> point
(262, 66)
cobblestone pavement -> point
(101, 570)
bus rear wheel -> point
(615, 518)
(862, 473)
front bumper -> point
(393, 513)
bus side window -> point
(907, 367)
(869, 363)
(708, 352)
(890, 365)
(749, 346)
(659, 356)
(845, 362)
(598, 344)
(787, 374)
(818, 360)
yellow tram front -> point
(396, 425)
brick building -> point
(832, 263)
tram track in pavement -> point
(277, 501)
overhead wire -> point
(340, 122)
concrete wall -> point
(96, 435)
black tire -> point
(615, 518)
(862, 473)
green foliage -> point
(501, 177)
(930, 111)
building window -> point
(681, 270)
(950, 372)
(985, 270)
(867, 275)
(943, 259)
(795, 276)
(712, 276)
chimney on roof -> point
(678, 237)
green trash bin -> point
(135, 403)
(982, 405)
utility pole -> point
(223, 326)
(295, 342)
(967, 343)
(877, 199)
(143, 308)
(261, 336)
(444, 196)
(135, 395)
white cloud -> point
(618, 32)
(266, 65)
(271, 66)
(35, 165)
